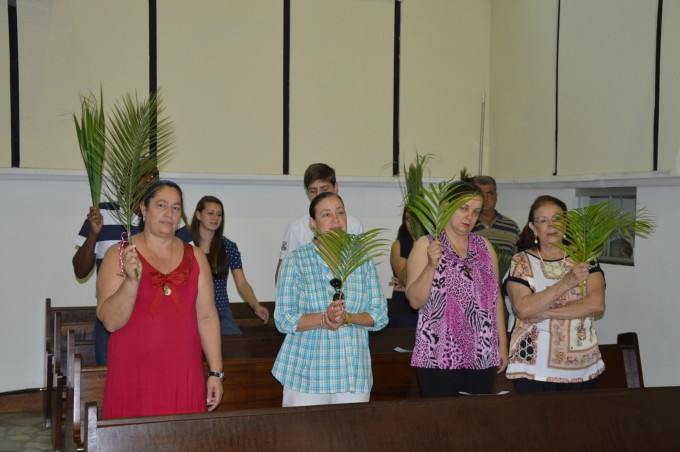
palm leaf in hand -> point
(504, 262)
(344, 252)
(135, 127)
(413, 185)
(138, 143)
(434, 207)
(91, 133)
(586, 230)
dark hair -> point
(485, 180)
(151, 192)
(319, 198)
(319, 171)
(217, 255)
(477, 180)
(403, 233)
(526, 237)
(462, 188)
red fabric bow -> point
(174, 279)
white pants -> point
(292, 397)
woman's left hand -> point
(214, 392)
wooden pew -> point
(257, 342)
(248, 360)
(81, 320)
(246, 318)
(58, 321)
(631, 359)
(637, 419)
(63, 394)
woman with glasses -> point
(452, 280)
(554, 344)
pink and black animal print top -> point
(457, 326)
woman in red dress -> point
(161, 321)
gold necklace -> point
(552, 271)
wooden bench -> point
(58, 321)
(638, 419)
(81, 320)
(248, 360)
(246, 318)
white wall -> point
(43, 210)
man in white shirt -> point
(318, 178)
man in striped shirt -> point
(500, 230)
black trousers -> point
(447, 383)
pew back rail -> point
(638, 419)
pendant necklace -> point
(552, 272)
(466, 268)
(166, 289)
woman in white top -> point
(554, 343)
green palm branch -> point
(587, 230)
(344, 252)
(91, 133)
(134, 128)
(504, 262)
(413, 185)
(434, 207)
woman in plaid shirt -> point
(325, 357)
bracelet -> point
(348, 319)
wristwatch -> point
(219, 375)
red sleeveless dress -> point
(155, 360)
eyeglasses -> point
(544, 220)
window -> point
(620, 250)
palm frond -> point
(413, 185)
(434, 206)
(504, 262)
(135, 127)
(344, 252)
(587, 229)
(91, 133)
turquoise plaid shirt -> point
(321, 361)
